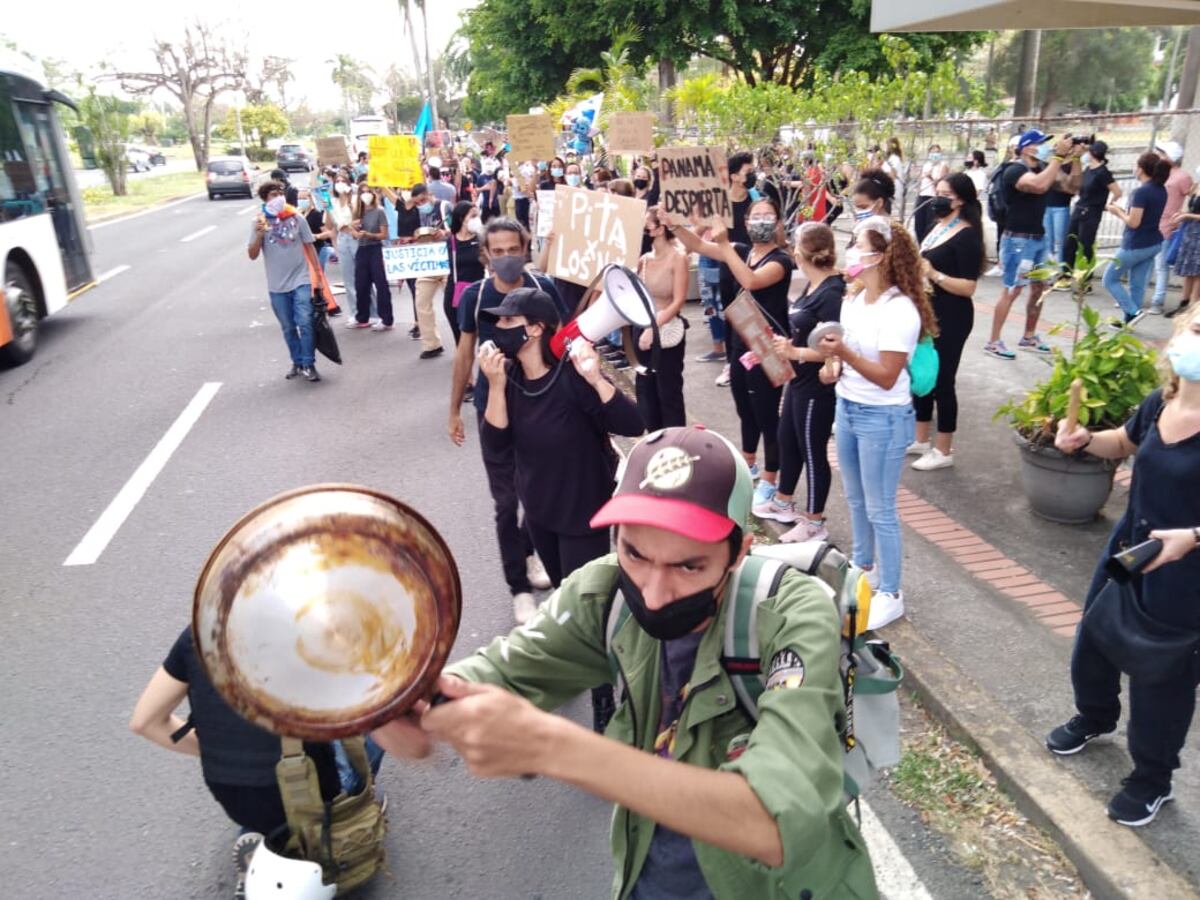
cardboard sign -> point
(594, 229)
(751, 325)
(531, 137)
(545, 213)
(439, 139)
(695, 180)
(431, 260)
(394, 161)
(332, 152)
(630, 132)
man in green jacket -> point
(710, 801)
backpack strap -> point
(757, 579)
(299, 787)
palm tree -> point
(616, 76)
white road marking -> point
(195, 234)
(98, 536)
(111, 273)
(894, 874)
(145, 212)
(248, 209)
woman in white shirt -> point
(887, 313)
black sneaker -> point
(1138, 803)
(415, 332)
(435, 352)
(334, 313)
(469, 394)
(293, 372)
(1072, 737)
(310, 372)
(1177, 310)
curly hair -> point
(901, 266)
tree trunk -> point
(666, 81)
(406, 9)
(207, 136)
(1187, 85)
(433, 98)
(1031, 46)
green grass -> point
(99, 202)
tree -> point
(275, 73)
(264, 121)
(403, 98)
(616, 77)
(355, 83)
(148, 124)
(196, 70)
(108, 118)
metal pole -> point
(1166, 94)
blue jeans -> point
(871, 441)
(1137, 263)
(295, 315)
(1018, 255)
(348, 776)
(347, 249)
(1162, 274)
(1055, 223)
(710, 300)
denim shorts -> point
(1017, 250)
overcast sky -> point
(84, 32)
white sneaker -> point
(524, 606)
(773, 509)
(536, 573)
(994, 272)
(723, 378)
(886, 608)
(806, 530)
(934, 459)
(918, 448)
(872, 576)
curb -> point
(118, 217)
(1112, 860)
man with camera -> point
(1023, 242)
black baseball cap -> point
(532, 303)
(1098, 149)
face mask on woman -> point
(342, 188)
(935, 156)
(509, 341)
(641, 183)
(425, 208)
(275, 206)
(304, 204)
(762, 230)
(940, 207)
(557, 172)
(1184, 354)
(854, 261)
(861, 214)
(573, 180)
(367, 198)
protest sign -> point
(530, 137)
(332, 152)
(630, 132)
(395, 160)
(751, 325)
(545, 213)
(402, 261)
(439, 139)
(594, 229)
(694, 180)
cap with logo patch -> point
(691, 481)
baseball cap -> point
(1098, 149)
(532, 303)
(687, 480)
(1170, 150)
(1032, 136)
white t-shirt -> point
(980, 179)
(891, 323)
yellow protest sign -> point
(394, 161)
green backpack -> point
(869, 723)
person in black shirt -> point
(742, 180)
(1096, 191)
(465, 265)
(952, 260)
(809, 401)
(1023, 243)
(320, 223)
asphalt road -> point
(93, 811)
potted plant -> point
(1117, 371)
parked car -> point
(293, 157)
(139, 160)
(156, 157)
(231, 175)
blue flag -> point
(424, 122)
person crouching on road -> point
(712, 801)
(1163, 436)
(279, 234)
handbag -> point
(324, 340)
(1145, 649)
(923, 367)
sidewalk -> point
(993, 596)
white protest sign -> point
(594, 229)
(402, 261)
(545, 213)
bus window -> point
(18, 189)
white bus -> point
(361, 128)
(44, 243)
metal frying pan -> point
(327, 611)
(823, 330)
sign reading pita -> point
(630, 132)
(750, 323)
(594, 229)
(694, 180)
(545, 213)
(394, 160)
(332, 151)
(401, 261)
(531, 137)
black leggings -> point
(956, 318)
(1081, 232)
(368, 271)
(757, 404)
(804, 430)
(450, 310)
(660, 393)
(562, 554)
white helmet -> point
(275, 877)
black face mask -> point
(751, 180)
(677, 618)
(509, 341)
(641, 183)
(940, 207)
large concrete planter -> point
(1066, 489)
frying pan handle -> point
(439, 698)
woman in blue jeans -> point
(1142, 240)
(886, 314)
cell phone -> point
(1121, 567)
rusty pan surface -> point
(327, 611)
